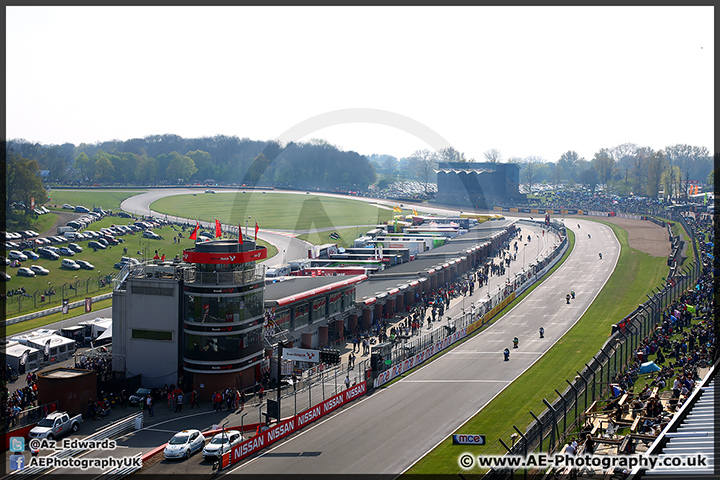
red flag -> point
(256, 230)
(193, 235)
(218, 229)
(240, 241)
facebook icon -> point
(17, 462)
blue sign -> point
(17, 462)
(468, 439)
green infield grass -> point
(285, 211)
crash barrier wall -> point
(296, 422)
(408, 354)
(115, 429)
(545, 431)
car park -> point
(85, 264)
(96, 244)
(75, 247)
(183, 444)
(221, 443)
(39, 270)
(67, 251)
(25, 272)
(17, 255)
(30, 254)
(69, 264)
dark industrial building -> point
(477, 185)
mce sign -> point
(468, 439)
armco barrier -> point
(294, 423)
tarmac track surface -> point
(390, 430)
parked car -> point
(56, 425)
(49, 254)
(30, 254)
(17, 255)
(25, 272)
(67, 251)
(39, 270)
(69, 264)
(221, 443)
(96, 245)
(141, 394)
(124, 215)
(111, 240)
(67, 206)
(75, 247)
(85, 264)
(81, 209)
(151, 234)
(183, 444)
(5, 260)
(4, 276)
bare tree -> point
(604, 164)
(493, 155)
(449, 154)
(423, 162)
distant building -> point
(477, 185)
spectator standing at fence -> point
(347, 382)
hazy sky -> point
(522, 80)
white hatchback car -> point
(69, 264)
(221, 443)
(183, 444)
(25, 272)
(39, 270)
(17, 255)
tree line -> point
(171, 159)
(626, 169)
